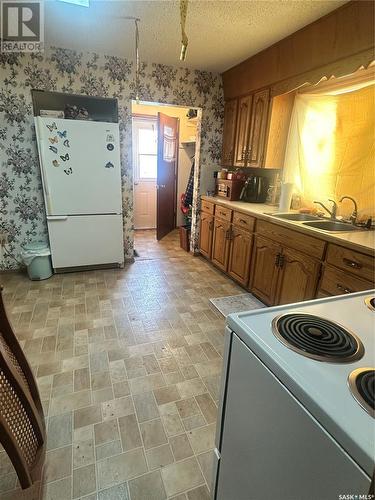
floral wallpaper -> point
(22, 215)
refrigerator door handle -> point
(57, 217)
(44, 176)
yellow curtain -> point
(330, 149)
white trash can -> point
(37, 257)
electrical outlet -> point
(3, 239)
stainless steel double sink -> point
(317, 222)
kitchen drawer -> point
(336, 282)
(292, 239)
(356, 263)
(208, 207)
(243, 220)
(223, 212)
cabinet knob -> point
(352, 263)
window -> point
(145, 148)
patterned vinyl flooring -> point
(128, 363)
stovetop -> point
(321, 386)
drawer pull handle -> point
(343, 288)
(243, 221)
(277, 259)
(352, 263)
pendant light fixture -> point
(184, 38)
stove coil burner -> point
(362, 386)
(370, 303)
(317, 338)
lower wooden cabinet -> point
(298, 277)
(264, 269)
(337, 282)
(239, 255)
(281, 275)
(205, 234)
(221, 243)
(277, 264)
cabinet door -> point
(220, 244)
(298, 277)
(264, 270)
(229, 131)
(239, 255)
(205, 234)
(243, 127)
(258, 128)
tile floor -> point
(128, 364)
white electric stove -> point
(292, 421)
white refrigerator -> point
(81, 176)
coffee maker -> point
(255, 189)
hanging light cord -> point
(184, 38)
(136, 60)
(137, 63)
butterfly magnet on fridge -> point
(55, 163)
(53, 140)
(61, 134)
(53, 149)
(68, 171)
(65, 157)
(66, 143)
(52, 127)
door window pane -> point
(147, 166)
(147, 140)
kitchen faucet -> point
(333, 212)
(354, 214)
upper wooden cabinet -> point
(229, 132)
(259, 116)
(244, 142)
(243, 130)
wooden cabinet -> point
(243, 130)
(221, 243)
(239, 255)
(264, 270)
(244, 134)
(337, 282)
(257, 136)
(205, 234)
(279, 264)
(281, 275)
(298, 277)
(229, 132)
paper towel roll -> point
(286, 196)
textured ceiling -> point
(221, 33)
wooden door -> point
(264, 270)
(258, 127)
(298, 277)
(205, 234)
(229, 132)
(166, 174)
(243, 127)
(239, 255)
(220, 244)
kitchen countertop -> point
(362, 241)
